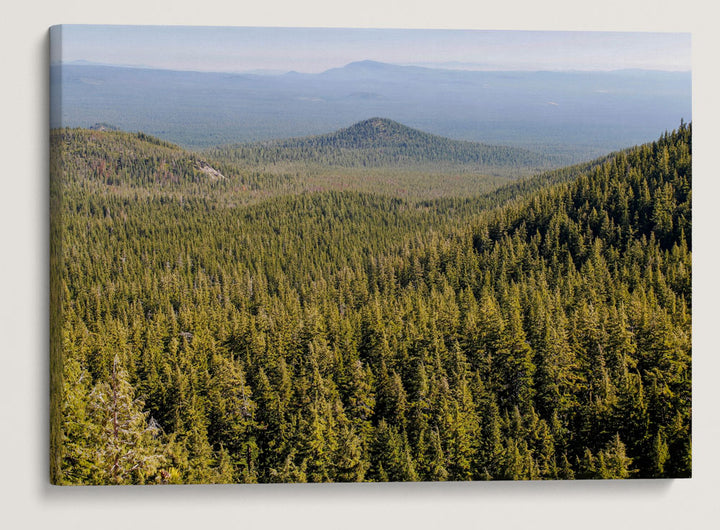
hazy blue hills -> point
(380, 142)
(576, 114)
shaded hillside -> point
(379, 142)
(595, 276)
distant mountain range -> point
(576, 114)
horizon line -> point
(441, 66)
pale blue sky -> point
(233, 49)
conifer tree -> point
(127, 449)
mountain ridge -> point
(201, 109)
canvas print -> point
(358, 255)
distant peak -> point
(377, 122)
(364, 68)
(368, 64)
(378, 127)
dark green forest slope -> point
(380, 142)
(237, 328)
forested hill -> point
(379, 142)
(102, 155)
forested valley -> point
(218, 323)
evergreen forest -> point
(214, 320)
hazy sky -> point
(225, 49)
